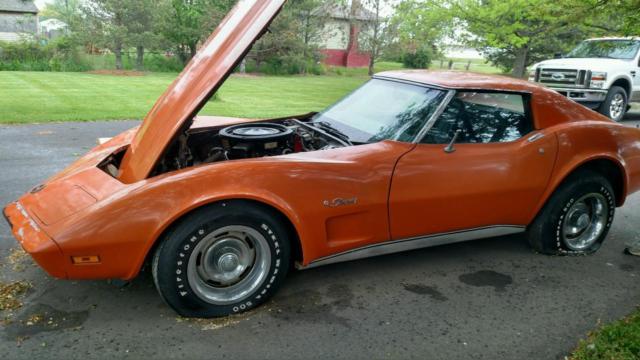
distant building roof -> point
(53, 24)
(18, 6)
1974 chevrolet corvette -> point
(222, 208)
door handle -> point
(535, 137)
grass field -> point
(46, 96)
(42, 96)
(619, 340)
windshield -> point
(383, 110)
(611, 49)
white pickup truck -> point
(603, 74)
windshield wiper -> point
(332, 130)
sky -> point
(42, 3)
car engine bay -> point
(249, 140)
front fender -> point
(124, 227)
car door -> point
(492, 176)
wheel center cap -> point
(583, 221)
(228, 262)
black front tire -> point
(612, 96)
(171, 264)
(547, 234)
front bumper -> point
(589, 97)
(34, 241)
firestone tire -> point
(577, 217)
(223, 259)
(615, 104)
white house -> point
(52, 28)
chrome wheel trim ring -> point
(585, 222)
(616, 109)
(229, 264)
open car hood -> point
(206, 72)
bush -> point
(59, 55)
(286, 65)
(162, 63)
(27, 55)
(66, 56)
(420, 59)
(152, 62)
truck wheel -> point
(615, 104)
(577, 217)
(222, 259)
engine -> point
(243, 141)
(256, 140)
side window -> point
(482, 117)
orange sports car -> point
(223, 207)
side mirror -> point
(557, 56)
(451, 148)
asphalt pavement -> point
(485, 299)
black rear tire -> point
(548, 233)
(180, 258)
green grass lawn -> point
(619, 340)
(41, 96)
(46, 96)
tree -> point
(630, 18)
(538, 49)
(514, 33)
(185, 23)
(291, 45)
(107, 20)
(516, 27)
(611, 16)
(283, 44)
(309, 17)
(371, 35)
(140, 18)
(419, 26)
(67, 11)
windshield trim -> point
(436, 114)
(411, 82)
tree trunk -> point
(520, 63)
(193, 49)
(182, 53)
(372, 63)
(118, 52)
(140, 58)
(243, 66)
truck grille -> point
(563, 77)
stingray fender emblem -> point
(340, 202)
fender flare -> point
(272, 201)
(561, 174)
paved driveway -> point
(488, 299)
